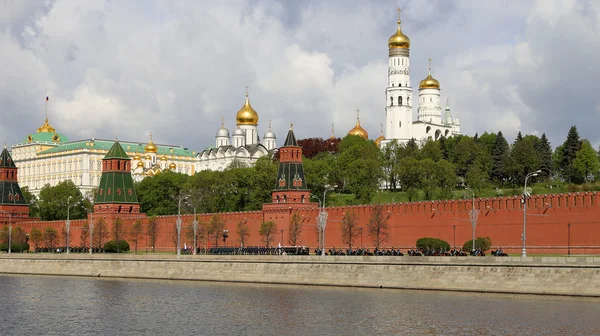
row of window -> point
(399, 101)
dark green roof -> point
(290, 140)
(10, 194)
(116, 187)
(6, 160)
(290, 177)
(128, 147)
(116, 152)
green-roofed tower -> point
(12, 202)
(116, 193)
(291, 184)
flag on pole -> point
(46, 98)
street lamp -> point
(178, 225)
(225, 236)
(68, 222)
(473, 217)
(454, 227)
(323, 215)
(195, 227)
(91, 212)
(524, 237)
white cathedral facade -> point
(244, 146)
(432, 122)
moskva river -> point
(35, 305)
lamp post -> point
(323, 215)
(454, 227)
(178, 226)
(91, 227)
(225, 236)
(569, 240)
(524, 237)
(195, 227)
(473, 217)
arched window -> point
(302, 199)
(284, 198)
(399, 101)
(399, 123)
(407, 98)
(391, 101)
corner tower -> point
(291, 185)
(116, 194)
(398, 111)
(12, 202)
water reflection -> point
(81, 306)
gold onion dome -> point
(151, 147)
(358, 130)
(140, 164)
(247, 115)
(148, 157)
(172, 165)
(429, 82)
(137, 157)
(399, 40)
(163, 158)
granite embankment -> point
(577, 276)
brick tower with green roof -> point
(12, 203)
(116, 194)
(291, 184)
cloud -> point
(125, 68)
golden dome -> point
(163, 158)
(172, 165)
(148, 157)
(381, 137)
(429, 82)
(151, 147)
(399, 40)
(140, 164)
(358, 130)
(137, 157)
(247, 115)
(46, 128)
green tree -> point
(446, 178)
(295, 229)
(152, 231)
(349, 227)
(363, 179)
(500, 153)
(431, 150)
(568, 153)
(483, 243)
(243, 232)
(117, 230)
(523, 159)
(158, 194)
(36, 237)
(267, 231)
(410, 176)
(429, 177)
(388, 157)
(50, 236)
(544, 150)
(32, 200)
(216, 226)
(54, 202)
(586, 162)
(477, 178)
(378, 226)
(19, 235)
(200, 233)
(317, 173)
(136, 234)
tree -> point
(267, 231)
(50, 236)
(295, 229)
(482, 243)
(446, 178)
(136, 233)
(477, 178)
(67, 237)
(569, 151)
(429, 177)
(389, 162)
(544, 150)
(410, 176)
(32, 200)
(243, 232)
(431, 150)
(36, 236)
(500, 153)
(377, 226)
(349, 228)
(158, 194)
(215, 228)
(54, 202)
(117, 230)
(586, 162)
(100, 232)
(84, 235)
(152, 231)
(200, 233)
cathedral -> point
(432, 121)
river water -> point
(36, 305)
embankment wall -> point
(575, 276)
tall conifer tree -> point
(499, 155)
(569, 151)
(544, 150)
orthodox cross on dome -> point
(357, 114)
(399, 11)
(222, 121)
(150, 136)
(269, 124)
(46, 104)
(447, 101)
(291, 126)
(429, 59)
(381, 128)
(246, 91)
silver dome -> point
(222, 132)
(269, 135)
(238, 131)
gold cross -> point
(246, 91)
(399, 10)
(429, 63)
(357, 114)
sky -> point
(123, 69)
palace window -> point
(391, 101)
(400, 101)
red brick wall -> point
(501, 219)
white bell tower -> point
(399, 102)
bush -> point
(432, 243)
(111, 246)
(15, 247)
(483, 243)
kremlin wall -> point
(555, 222)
